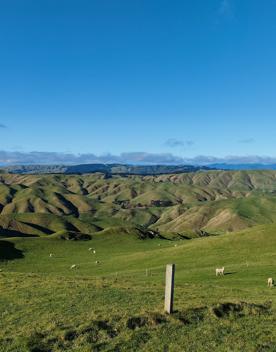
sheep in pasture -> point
(270, 282)
(97, 262)
(73, 266)
(94, 251)
(51, 254)
(220, 271)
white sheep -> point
(94, 251)
(270, 282)
(73, 266)
(220, 271)
(51, 254)
(97, 262)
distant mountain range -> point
(124, 169)
(251, 166)
(109, 169)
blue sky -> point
(117, 76)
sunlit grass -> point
(117, 305)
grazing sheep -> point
(73, 266)
(51, 254)
(97, 262)
(270, 282)
(94, 251)
(220, 271)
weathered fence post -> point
(169, 290)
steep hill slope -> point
(190, 204)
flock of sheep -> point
(220, 271)
(74, 266)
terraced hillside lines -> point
(185, 204)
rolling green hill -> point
(113, 299)
(189, 204)
(120, 232)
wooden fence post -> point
(169, 290)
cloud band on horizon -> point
(35, 157)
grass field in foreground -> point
(114, 306)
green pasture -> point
(117, 304)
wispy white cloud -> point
(226, 8)
(247, 141)
(173, 143)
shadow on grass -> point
(9, 252)
(230, 273)
(13, 233)
(38, 227)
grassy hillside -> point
(113, 299)
(189, 204)
(117, 304)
